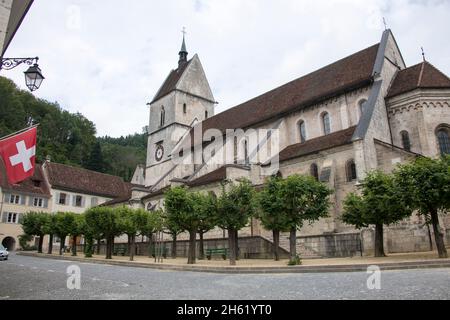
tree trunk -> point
(236, 242)
(88, 248)
(174, 246)
(50, 244)
(41, 242)
(62, 244)
(379, 242)
(150, 244)
(202, 247)
(232, 246)
(192, 244)
(74, 246)
(129, 245)
(108, 247)
(98, 246)
(276, 245)
(132, 249)
(429, 237)
(293, 244)
(438, 236)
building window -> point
(314, 171)
(78, 201)
(302, 131)
(362, 106)
(62, 199)
(163, 116)
(326, 123)
(12, 217)
(38, 202)
(246, 157)
(405, 140)
(443, 140)
(184, 108)
(94, 202)
(206, 114)
(351, 171)
(14, 199)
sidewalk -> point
(420, 260)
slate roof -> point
(423, 75)
(332, 140)
(211, 177)
(33, 185)
(171, 82)
(352, 72)
(85, 181)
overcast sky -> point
(107, 58)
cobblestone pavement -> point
(35, 278)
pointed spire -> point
(183, 52)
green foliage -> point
(426, 184)
(179, 207)
(103, 221)
(34, 223)
(66, 223)
(68, 138)
(380, 203)
(295, 262)
(236, 206)
(24, 239)
(272, 208)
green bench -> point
(160, 252)
(119, 251)
(217, 252)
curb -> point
(418, 264)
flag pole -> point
(20, 131)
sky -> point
(107, 58)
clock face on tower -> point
(159, 153)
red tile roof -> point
(349, 73)
(171, 82)
(423, 75)
(34, 185)
(332, 140)
(85, 181)
(211, 177)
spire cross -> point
(385, 23)
(423, 54)
(184, 31)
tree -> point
(131, 222)
(234, 209)
(65, 222)
(180, 211)
(76, 229)
(305, 200)
(150, 223)
(50, 229)
(96, 161)
(272, 213)
(33, 223)
(426, 187)
(206, 207)
(105, 221)
(174, 230)
(380, 204)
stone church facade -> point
(364, 112)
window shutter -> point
(30, 201)
(7, 196)
(45, 203)
(5, 217)
(19, 218)
(23, 200)
(83, 200)
(74, 200)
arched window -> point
(405, 140)
(443, 140)
(163, 116)
(362, 106)
(314, 171)
(351, 171)
(302, 130)
(206, 114)
(184, 108)
(246, 157)
(326, 123)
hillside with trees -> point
(68, 138)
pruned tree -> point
(34, 224)
(65, 224)
(379, 204)
(426, 187)
(50, 229)
(152, 222)
(206, 207)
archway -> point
(9, 243)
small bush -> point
(295, 262)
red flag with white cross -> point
(19, 153)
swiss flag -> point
(18, 153)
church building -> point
(364, 112)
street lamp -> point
(33, 76)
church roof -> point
(349, 73)
(423, 75)
(332, 140)
(171, 82)
(211, 177)
(85, 181)
(35, 185)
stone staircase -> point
(302, 250)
